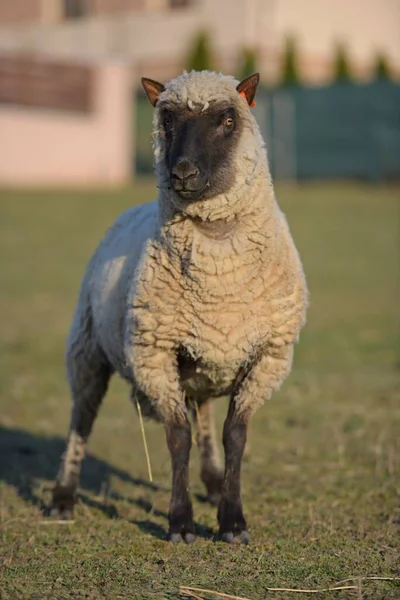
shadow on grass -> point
(26, 458)
(145, 525)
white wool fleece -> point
(220, 278)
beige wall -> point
(365, 26)
(40, 147)
(52, 11)
(115, 6)
(20, 11)
(156, 41)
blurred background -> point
(71, 110)
(321, 484)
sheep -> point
(196, 296)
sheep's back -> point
(110, 274)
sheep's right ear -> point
(247, 88)
(153, 89)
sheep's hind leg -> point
(89, 376)
(179, 439)
(232, 524)
(211, 472)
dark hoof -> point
(181, 525)
(239, 538)
(189, 538)
(244, 538)
(62, 507)
(177, 538)
(62, 514)
(227, 537)
(232, 524)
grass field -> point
(322, 484)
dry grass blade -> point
(58, 522)
(368, 578)
(188, 591)
(146, 451)
(382, 578)
(191, 591)
(318, 591)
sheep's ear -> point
(153, 89)
(248, 86)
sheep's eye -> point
(167, 122)
(228, 122)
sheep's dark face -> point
(199, 149)
(200, 144)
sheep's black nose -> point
(185, 172)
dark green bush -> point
(341, 66)
(381, 70)
(290, 74)
(247, 63)
(200, 56)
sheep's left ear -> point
(248, 86)
(153, 89)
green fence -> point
(340, 131)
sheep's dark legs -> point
(230, 513)
(179, 441)
(211, 472)
(88, 387)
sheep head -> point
(199, 124)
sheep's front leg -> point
(179, 439)
(155, 371)
(230, 513)
(263, 378)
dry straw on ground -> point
(146, 450)
(194, 591)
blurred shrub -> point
(290, 73)
(341, 65)
(247, 63)
(200, 56)
(381, 69)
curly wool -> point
(220, 278)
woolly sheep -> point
(196, 296)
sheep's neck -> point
(223, 254)
(219, 229)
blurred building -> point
(63, 123)
(68, 68)
(156, 34)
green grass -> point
(321, 489)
